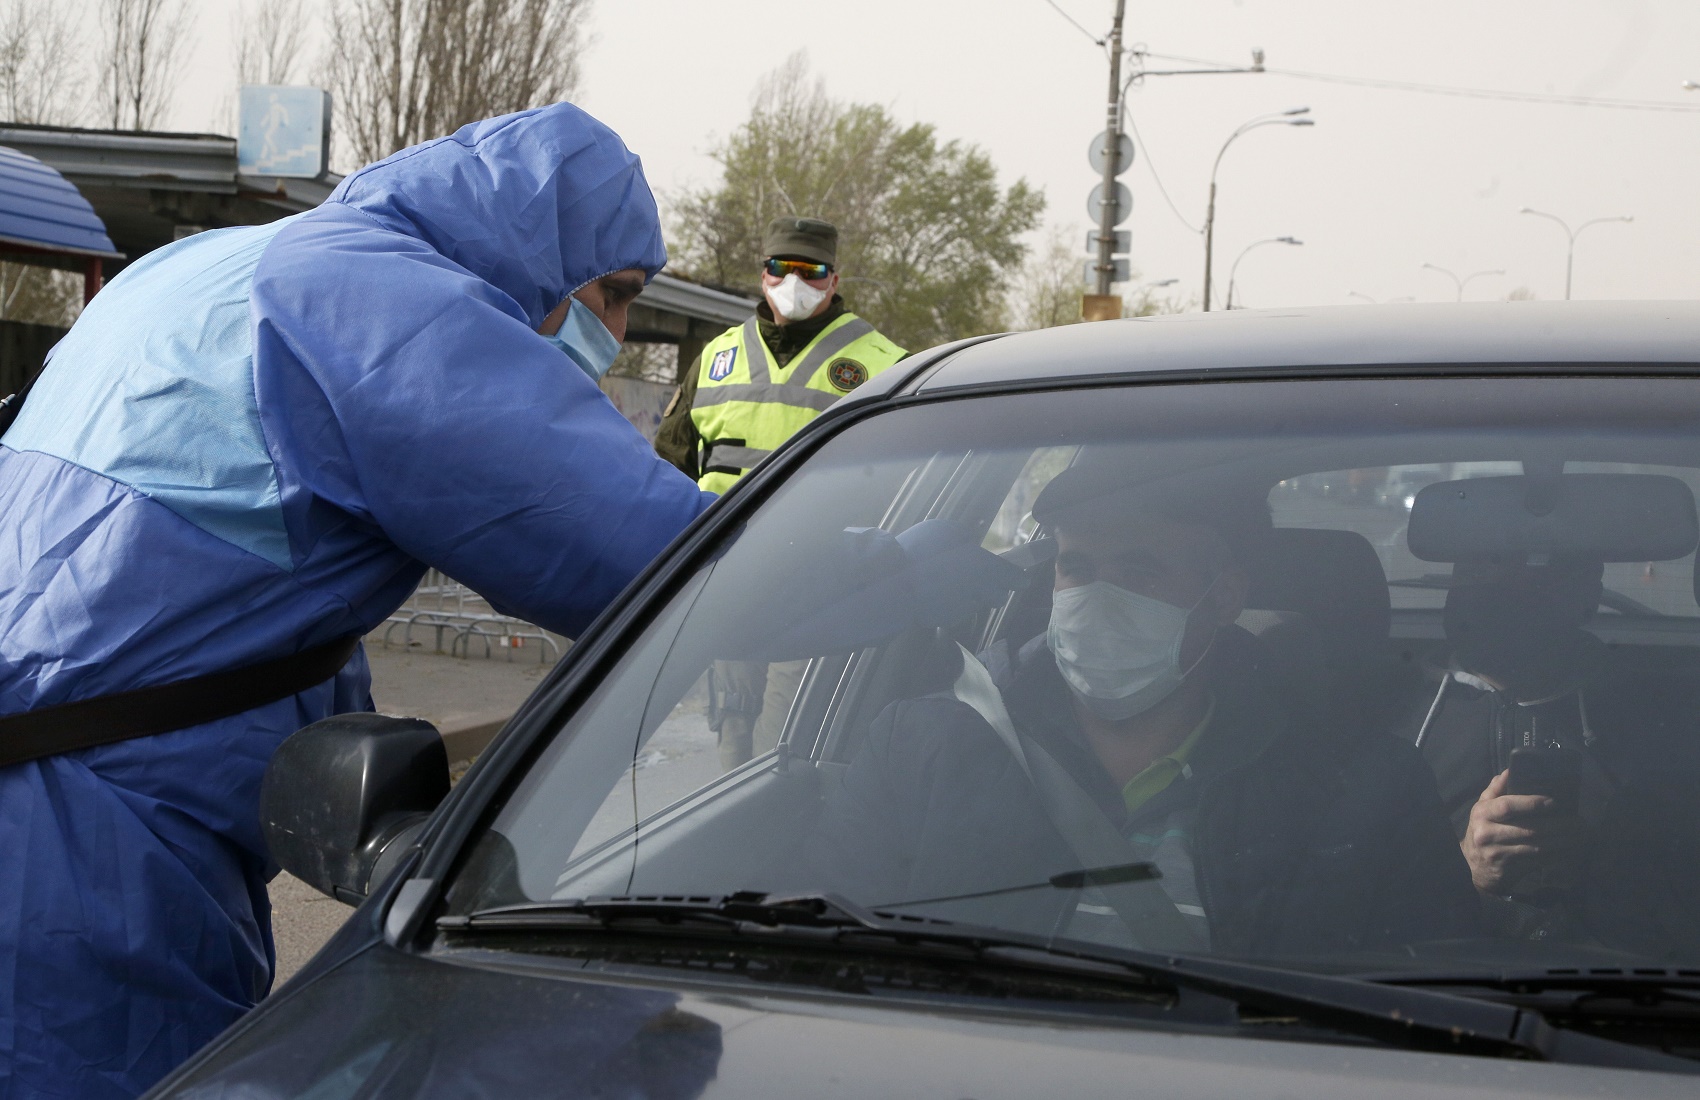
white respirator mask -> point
(1119, 651)
(793, 299)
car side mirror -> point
(343, 798)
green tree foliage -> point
(929, 244)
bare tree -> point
(403, 71)
(650, 362)
(1054, 278)
(39, 295)
(146, 44)
(272, 36)
(1052, 281)
(38, 45)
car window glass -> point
(1014, 523)
(1212, 631)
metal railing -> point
(449, 611)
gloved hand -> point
(932, 574)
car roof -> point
(1480, 333)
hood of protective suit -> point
(561, 201)
(252, 441)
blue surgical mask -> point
(586, 340)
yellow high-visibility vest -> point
(746, 404)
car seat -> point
(1319, 606)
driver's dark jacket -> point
(1305, 839)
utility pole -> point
(1111, 154)
(1110, 216)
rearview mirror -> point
(343, 798)
(1575, 517)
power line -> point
(1151, 166)
(1096, 41)
(1462, 92)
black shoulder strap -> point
(166, 707)
(10, 405)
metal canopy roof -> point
(41, 209)
(150, 188)
(700, 302)
(1474, 333)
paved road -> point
(444, 691)
(302, 920)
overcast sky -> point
(1385, 181)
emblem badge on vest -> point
(846, 374)
(720, 367)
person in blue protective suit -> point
(254, 442)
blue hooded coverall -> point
(252, 442)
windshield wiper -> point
(1391, 1013)
(752, 910)
(1067, 880)
(1646, 987)
(744, 911)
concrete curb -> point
(465, 738)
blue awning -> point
(40, 209)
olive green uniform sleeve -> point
(677, 440)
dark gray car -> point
(1096, 755)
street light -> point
(1691, 85)
(1280, 118)
(1465, 281)
(1234, 270)
(1572, 234)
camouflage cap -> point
(801, 239)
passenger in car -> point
(1589, 859)
(1519, 661)
(1142, 728)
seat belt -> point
(1148, 912)
(162, 708)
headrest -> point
(1571, 517)
(1333, 578)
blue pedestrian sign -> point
(284, 131)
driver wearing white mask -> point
(1143, 715)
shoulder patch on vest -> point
(846, 374)
(720, 367)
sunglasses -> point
(800, 268)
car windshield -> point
(1363, 676)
